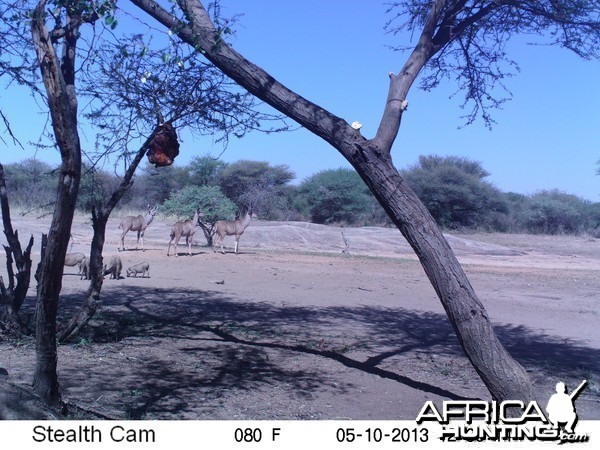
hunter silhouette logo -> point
(561, 407)
(509, 420)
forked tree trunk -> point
(208, 229)
(502, 375)
(59, 82)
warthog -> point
(75, 259)
(143, 268)
(114, 267)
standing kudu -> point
(137, 223)
(186, 228)
(231, 228)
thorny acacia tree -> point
(125, 105)
(461, 38)
(58, 75)
(136, 83)
(134, 86)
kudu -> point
(75, 259)
(85, 270)
(230, 228)
(185, 228)
(136, 223)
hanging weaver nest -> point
(164, 147)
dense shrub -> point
(337, 196)
(555, 212)
(257, 185)
(454, 191)
(95, 188)
(154, 185)
(30, 183)
(211, 201)
(205, 170)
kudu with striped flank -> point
(185, 228)
(231, 228)
(137, 223)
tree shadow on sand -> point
(240, 346)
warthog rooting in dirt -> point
(143, 268)
(114, 267)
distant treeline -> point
(454, 190)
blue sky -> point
(335, 54)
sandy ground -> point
(291, 328)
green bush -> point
(30, 183)
(154, 185)
(454, 191)
(205, 170)
(555, 212)
(337, 196)
(255, 184)
(211, 202)
(209, 199)
(95, 188)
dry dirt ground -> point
(291, 328)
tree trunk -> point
(59, 81)
(22, 260)
(91, 301)
(14, 294)
(208, 229)
(502, 375)
(100, 217)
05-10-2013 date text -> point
(379, 435)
